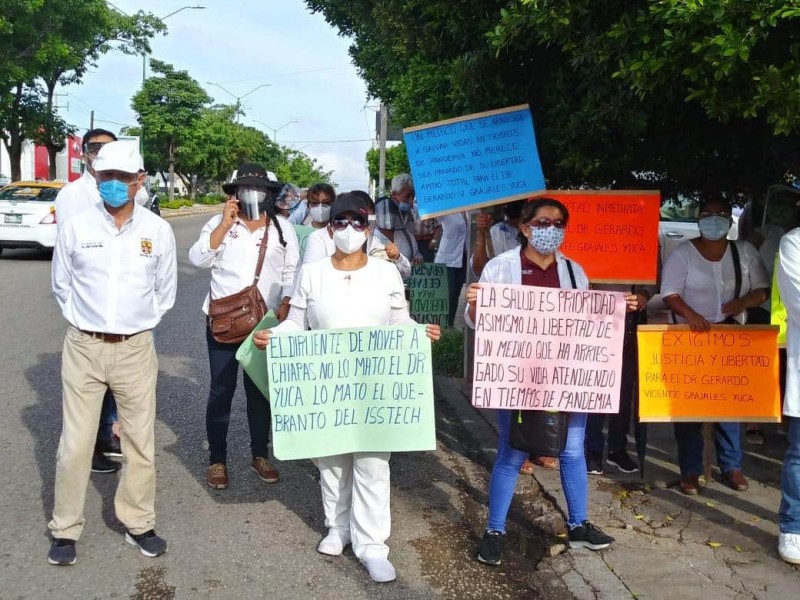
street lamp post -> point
(275, 131)
(238, 98)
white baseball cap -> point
(118, 156)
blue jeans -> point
(108, 415)
(509, 460)
(224, 373)
(789, 512)
(727, 440)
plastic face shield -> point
(288, 198)
(387, 215)
(249, 200)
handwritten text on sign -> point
(351, 390)
(727, 374)
(548, 349)
(472, 161)
(430, 300)
(620, 225)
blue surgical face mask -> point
(114, 192)
(404, 206)
(714, 228)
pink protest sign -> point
(548, 349)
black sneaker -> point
(594, 463)
(62, 552)
(622, 461)
(110, 447)
(101, 464)
(148, 543)
(491, 550)
(587, 535)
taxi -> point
(28, 214)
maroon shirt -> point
(533, 274)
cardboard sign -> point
(430, 298)
(777, 310)
(477, 160)
(728, 374)
(303, 232)
(620, 225)
(548, 349)
(252, 359)
(337, 391)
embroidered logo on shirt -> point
(147, 246)
(91, 244)
(233, 233)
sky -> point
(240, 45)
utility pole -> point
(382, 151)
(91, 120)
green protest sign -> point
(336, 391)
(252, 359)
(429, 293)
(302, 237)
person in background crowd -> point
(451, 247)
(72, 199)
(229, 245)
(320, 198)
(351, 289)
(288, 202)
(320, 243)
(503, 235)
(789, 511)
(402, 195)
(424, 234)
(699, 286)
(537, 261)
(619, 423)
(114, 277)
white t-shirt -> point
(504, 237)
(454, 239)
(367, 297)
(75, 197)
(706, 285)
(319, 245)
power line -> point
(324, 141)
(287, 74)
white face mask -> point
(320, 213)
(142, 197)
(349, 240)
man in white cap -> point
(114, 276)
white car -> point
(28, 215)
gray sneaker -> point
(148, 543)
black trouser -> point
(224, 372)
(619, 424)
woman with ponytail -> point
(229, 245)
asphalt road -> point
(252, 540)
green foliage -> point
(212, 199)
(695, 97)
(298, 168)
(176, 203)
(396, 162)
(448, 354)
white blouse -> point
(706, 285)
(233, 264)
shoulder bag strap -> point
(737, 270)
(571, 275)
(262, 252)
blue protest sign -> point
(473, 161)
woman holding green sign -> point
(538, 262)
(351, 289)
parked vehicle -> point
(28, 214)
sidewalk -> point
(720, 544)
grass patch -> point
(176, 203)
(448, 354)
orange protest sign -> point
(727, 374)
(613, 234)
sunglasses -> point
(545, 222)
(93, 147)
(341, 223)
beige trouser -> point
(129, 369)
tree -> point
(300, 169)
(168, 106)
(55, 43)
(20, 120)
(694, 97)
(396, 163)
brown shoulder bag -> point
(233, 317)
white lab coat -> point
(789, 285)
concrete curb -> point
(190, 211)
